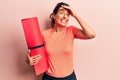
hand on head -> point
(72, 12)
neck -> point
(58, 28)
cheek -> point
(57, 18)
(68, 18)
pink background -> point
(96, 59)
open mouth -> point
(64, 21)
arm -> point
(86, 32)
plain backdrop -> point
(95, 59)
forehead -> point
(63, 9)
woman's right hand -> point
(32, 60)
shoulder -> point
(71, 28)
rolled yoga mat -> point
(35, 43)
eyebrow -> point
(61, 9)
(64, 9)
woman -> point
(58, 42)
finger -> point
(66, 7)
(36, 59)
(38, 56)
(28, 51)
(34, 62)
(28, 55)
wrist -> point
(75, 16)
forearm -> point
(87, 32)
(86, 29)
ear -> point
(53, 15)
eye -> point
(61, 12)
(68, 14)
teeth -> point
(63, 21)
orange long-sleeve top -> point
(59, 48)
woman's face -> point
(62, 17)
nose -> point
(65, 16)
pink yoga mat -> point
(35, 43)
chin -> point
(64, 25)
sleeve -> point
(74, 31)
